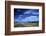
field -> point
(26, 24)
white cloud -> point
(28, 12)
(31, 18)
(31, 12)
(35, 13)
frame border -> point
(8, 17)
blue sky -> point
(25, 15)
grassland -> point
(26, 24)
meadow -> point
(26, 24)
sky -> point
(25, 15)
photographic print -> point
(26, 17)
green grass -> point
(26, 24)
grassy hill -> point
(26, 24)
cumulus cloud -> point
(31, 12)
(28, 15)
(28, 12)
(31, 18)
(35, 13)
